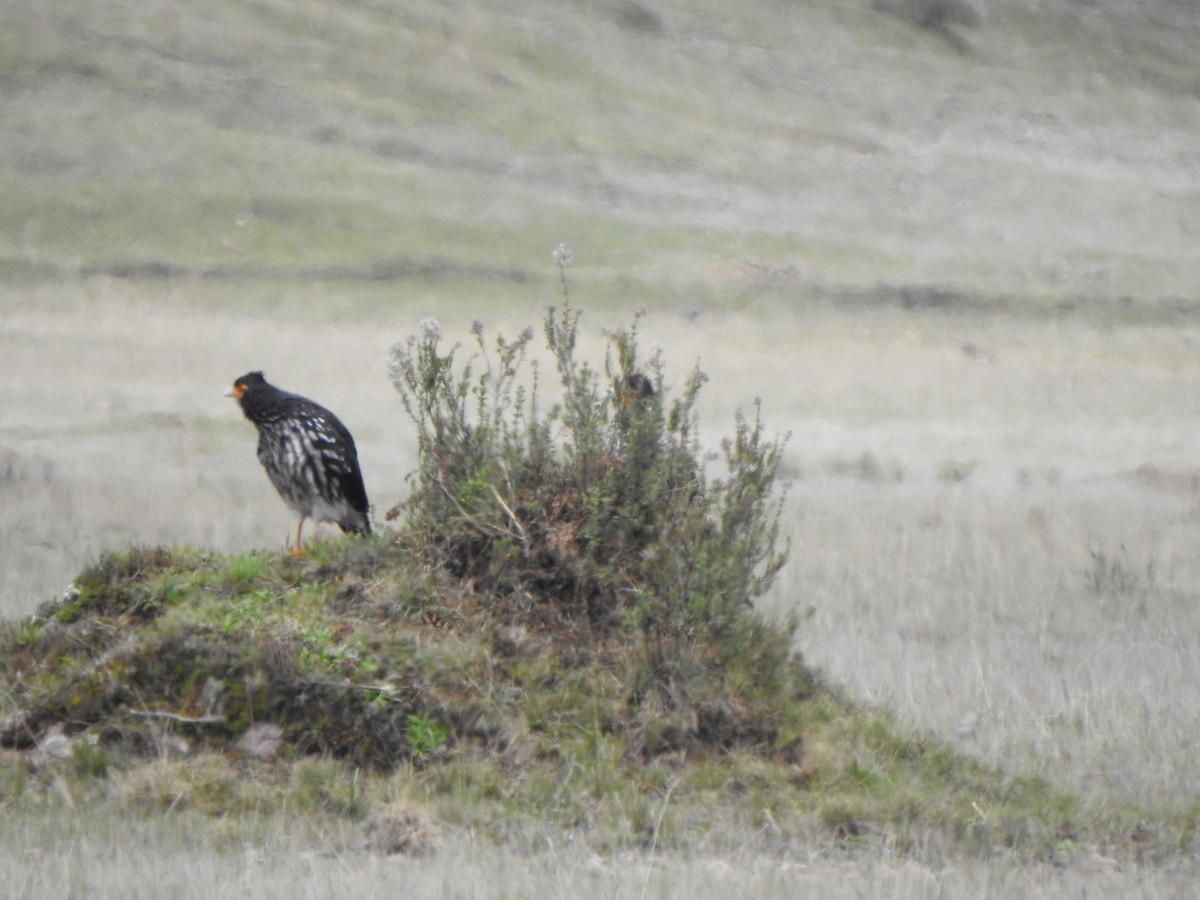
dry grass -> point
(1038, 604)
(159, 857)
(168, 856)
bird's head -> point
(245, 383)
(637, 387)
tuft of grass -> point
(868, 468)
(1115, 574)
(954, 471)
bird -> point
(308, 453)
(637, 433)
(637, 388)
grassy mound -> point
(559, 636)
(333, 684)
(355, 653)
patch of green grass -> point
(244, 571)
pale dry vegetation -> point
(1039, 604)
(179, 857)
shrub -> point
(597, 506)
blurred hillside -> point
(1050, 150)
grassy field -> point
(961, 273)
(181, 858)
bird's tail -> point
(358, 524)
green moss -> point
(244, 571)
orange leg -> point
(299, 548)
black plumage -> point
(308, 453)
(637, 388)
